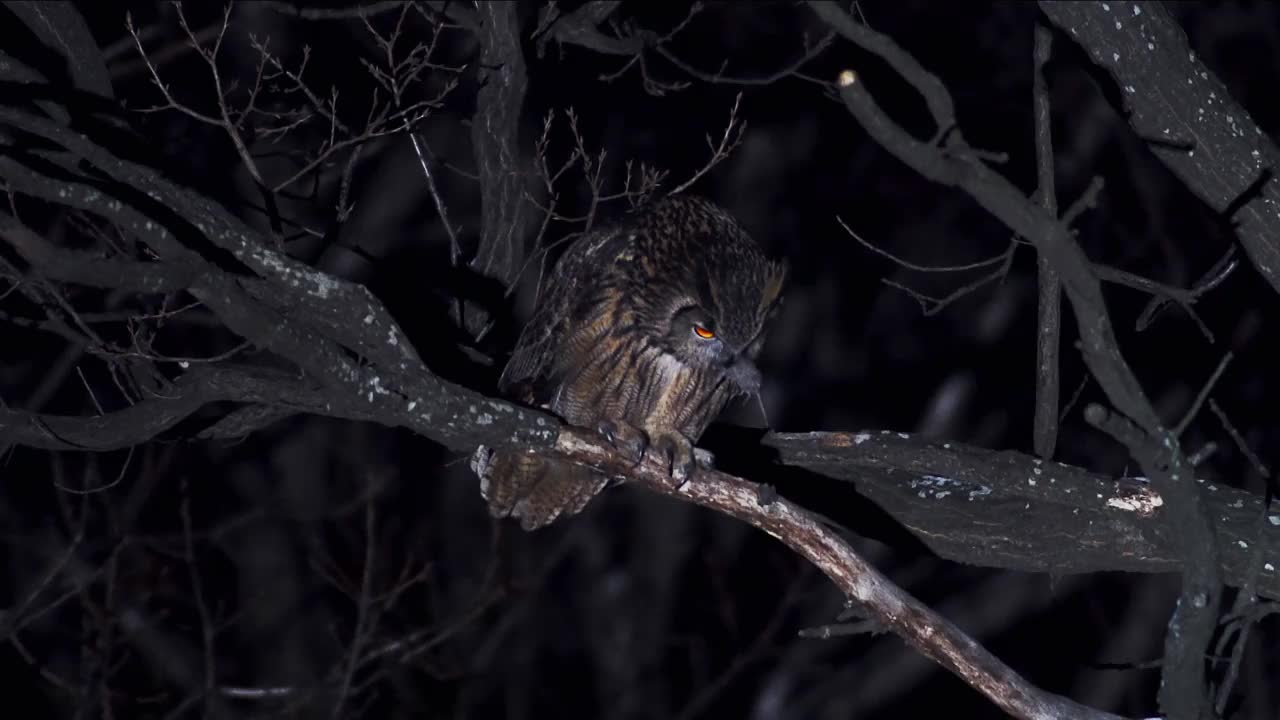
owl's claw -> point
(676, 454)
(705, 458)
(627, 438)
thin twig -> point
(1194, 410)
(730, 140)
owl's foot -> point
(630, 440)
(675, 453)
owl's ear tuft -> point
(775, 281)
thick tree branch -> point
(582, 27)
(1186, 115)
(222, 240)
(862, 584)
(311, 319)
(60, 26)
(1049, 309)
(495, 135)
(968, 504)
(449, 414)
(1010, 510)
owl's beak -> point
(744, 376)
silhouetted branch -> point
(1184, 689)
(60, 26)
(1011, 510)
(361, 10)
(495, 143)
(582, 27)
(1186, 114)
(809, 52)
(861, 583)
(1049, 308)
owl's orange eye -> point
(702, 332)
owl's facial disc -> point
(694, 337)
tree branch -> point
(60, 26)
(1184, 687)
(1009, 510)
(860, 582)
(495, 134)
(1186, 115)
(1049, 308)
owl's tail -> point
(534, 489)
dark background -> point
(643, 607)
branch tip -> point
(1095, 414)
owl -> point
(643, 332)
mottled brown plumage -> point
(643, 331)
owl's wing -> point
(540, 362)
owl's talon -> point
(626, 438)
(680, 476)
(676, 454)
(705, 458)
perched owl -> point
(643, 331)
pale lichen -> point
(1143, 503)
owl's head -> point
(717, 289)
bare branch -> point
(955, 498)
(1049, 308)
(362, 10)
(931, 305)
(1202, 395)
(60, 26)
(1194, 621)
(1220, 156)
(790, 69)
(1000, 259)
(495, 142)
(860, 582)
(731, 138)
(582, 27)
